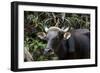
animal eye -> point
(45, 38)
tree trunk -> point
(27, 55)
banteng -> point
(67, 45)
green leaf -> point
(35, 46)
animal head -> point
(53, 36)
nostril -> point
(50, 50)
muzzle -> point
(47, 50)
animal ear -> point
(41, 35)
(67, 35)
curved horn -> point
(65, 30)
(46, 28)
(45, 24)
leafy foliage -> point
(34, 22)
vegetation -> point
(34, 22)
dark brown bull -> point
(73, 45)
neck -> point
(61, 50)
